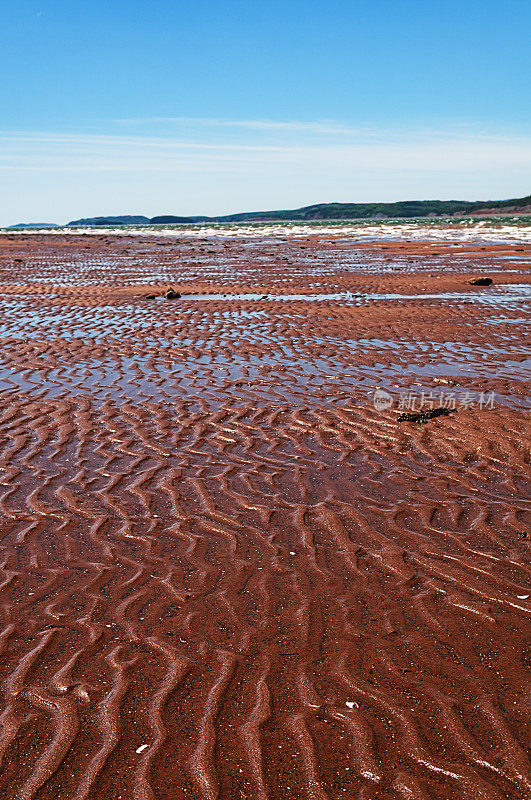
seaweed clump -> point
(423, 416)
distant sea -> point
(493, 229)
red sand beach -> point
(225, 572)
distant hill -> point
(336, 211)
(404, 209)
(34, 225)
(125, 220)
(521, 206)
(168, 219)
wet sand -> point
(225, 572)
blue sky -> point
(209, 107)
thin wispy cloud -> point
(454, 129)
(326, 127)
(414, 151)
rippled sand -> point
(225, 573)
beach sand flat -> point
(228, 570)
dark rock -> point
(481, 282)
(151, 296)
(423, 416)
(171, 294)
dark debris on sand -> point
(481, 282)
(423, 416)
(169, 294)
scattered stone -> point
(151, 296)
(423, 416)
(481, 282)
(522, 534)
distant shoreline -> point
(322, 212)
(263, 221)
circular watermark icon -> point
(382, 400)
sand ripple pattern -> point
(225, 574)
